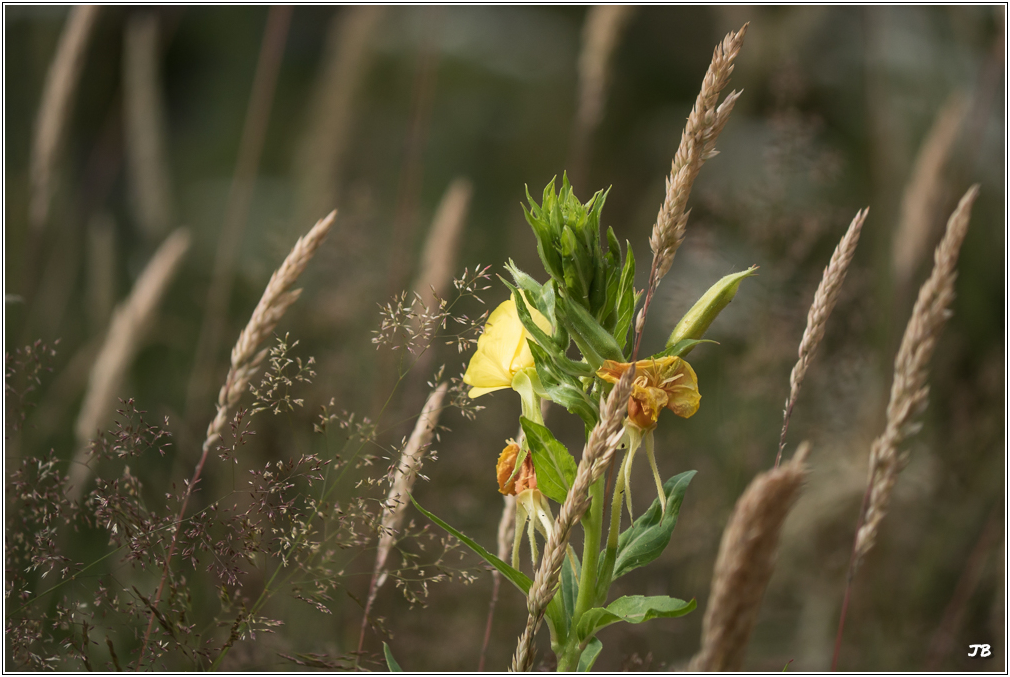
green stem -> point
(610, 556)
(592, 525)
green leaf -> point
(563, 388)
(589, 655)
(518, 578)
(390, 661)
(594, 342)
(570, 586)
(632, 609)
(645, 540)
(554, 464)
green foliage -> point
(631, 609)
(646, 539)
(390, 661)
(554, 464)
(589, 655)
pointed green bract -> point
(696, 321)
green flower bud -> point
(696, 321)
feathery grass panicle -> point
(149, 177)
(404, 476)
(597, 456)
(909, 390)
(277, 297)
(697, 144)
(246, 358)
(817, 317)
(925, 191)
(745, 564)
(131, 320)
(56, 104)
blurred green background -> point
(375, 112)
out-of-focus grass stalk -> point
(130, 322)
(817, 317)
(926, 191)
(909, 392)
(239, 200)
(100, 284)
(318, 166)
(601, 33)
(745, 564)
(246, 358)
(404, 476)
(149, 177)
(55, 107)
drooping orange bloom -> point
(525, 479)
(665, 382)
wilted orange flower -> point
(666, 382)
(525, 479)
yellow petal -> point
(490, 365)
(683, 390)
(477, 392)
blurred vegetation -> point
(837, 103)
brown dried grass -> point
(745, 564)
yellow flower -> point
(667, 382)
(501, 350)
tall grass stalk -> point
(817, 317)
(62, 80)
(909, 392)
(246, 358)
(697, 144)
(745, 564)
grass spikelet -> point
(597, 456)
(817, 317)
(246, 355)
(745, 564)
(909, 391)
(130, 322)
(925, 192)
(697, 144)
(246, 358)
(56, 104)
